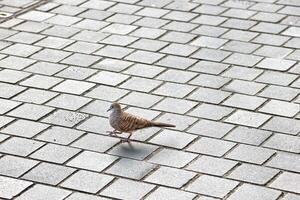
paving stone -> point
(268, 27)
(244, 87)
(22, 50)
(147, 71)
(61, 31)
(173, 139)
(36, 16)
(283, 142)
(55, 153)
(209, 20)
(163, 193)
(139, 152)
(119, 40)
(73, 87)
(239, 35)
(211, 54)
(89, 36)
(209, 67)
(174, 90)
(86, 181)
(12, 76)
(248, 118)
(83, 47)
(90, 24)
(211, 146)
(251, 154)
(275, 64)
(283, 125)
(244, 101)
(7, 105)
(78, 73)
(285, 161)
(99, 5)
(3, 122)
(278, 92)
(45, 68)
(179, 49)
(134, 83)
(35, 96)
(253, 192)
(151, 22)
(54, 42)
(95, 14)
(82, 60)
(243, 59)
(242, 47)
(174, 36)
(248, 135)
(178, 106)
(210, 42)
(134, 190)
(180, 26)
(20, 146)
(181, 121)
(238, 13)
(15, 166)
(12, 62)
(129, 168)
(48, 173)
(59, 135)
(211, 165)
(209, 81)
(170, 177)
(11, 187)
(271, 39)
(83, 196)
(140, 99)
(24, 37)
(144, 57)
(43, 192)
(253, 174)
(176, 62)
(108, 78)
(124, 8)
(238, 24)
(112, 93)
(212, 186)
(68, 10)
(114, 52)
(242, 73)
(172, 158)
(97, 107)
(273, 52)
(41, 81)
(287, 181)
(96, 125)
(281, 108)
(24, 128)
(209, 95)
(31, 111)
(211, 31)
(70, 102)
(8, 90)
(278, 78)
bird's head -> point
(114, 107)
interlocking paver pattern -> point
(225, 72)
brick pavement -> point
(226, 72)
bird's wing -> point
(129, 123)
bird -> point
(124, 122)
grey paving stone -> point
(22, 50)
(13, 62)
(68, 10)
(271, 39)
(210, 42)
(119, 40)
(151, 22)
(124, 8)
(36, 16)
(65, 118)
(83, 196)
(242, 73)
(54, 42)
(179, 49)
(43, 192)
(31, 111)
(209, 67)
(252, 192)
(211, 165)
(239, 35)
(134, 190)
(284, 142)
(92, 161)
(112, 93)
(55, 153)
(130, 168)
(180, 26)
(97, 107)
(59, 135)
(41, 81)
(281, 108)
(90, 24)
(134, 83)
(20, 146)
(173, 158)
(173, 139)
(275, 64)
(99, 5)
(279, 92)
(211, 128)
(86, 181)
(182, 122)
(48, 173)
(277, 78)
(83, 47)
(212, 186)
(177, 76)
(244, 87)
(174, 36)
(95, 14)
(179, 106)
(209, 95)
(248, 118)
(287, 181)
(15, 166)
(211, 146)
(268, 27)
(176, 62)
(253, 174)
(243, 59)
(12, 76)
(163, 193)
(61, 31)
(248, 135)
(96, 125)
(170, 177)
(3, 122)
(73, 87)
(238, 13)
(50, 55)
(95, 142)
(7, 105)
(123, 18)
(70, 102)
(35, 96)
(285, 161)
(211, 81)
(89, 36)
(24, 37)
(290, 196)
(11, 187)
(283, 125)
(273, 52)
(137, 151)
(45, 68)
(82, 60)
(108, 78)
(114, 52)
(209, 9)
(174, 90)
(147, 71)
(209, 20)
(140, 99)
(211, 31)
(244, 101)
(238, 24)
(24, 128)
(251, 154)
(211, 54)
(242, 47)
(78, 73)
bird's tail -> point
(160, 124)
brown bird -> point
(125, 122)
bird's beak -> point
(108, 109)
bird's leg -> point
(127, 139)
(114, 132)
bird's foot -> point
(126, 140)
(111, 133)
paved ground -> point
(226, 72)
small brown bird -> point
(125, 122)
